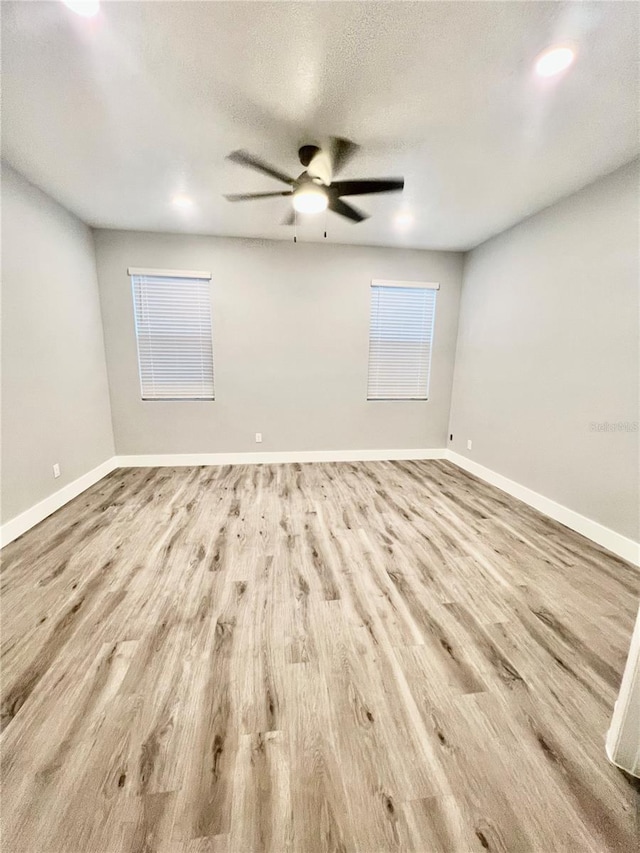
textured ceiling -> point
(115, 115)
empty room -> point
(320, 378)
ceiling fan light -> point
(310, 199)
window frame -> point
(200, 275)
(418, 285)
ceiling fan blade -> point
(249, 196)
(243, 158)
(375, 185)
(347, 210)
(289, 219)
(342, 150)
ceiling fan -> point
(314, 189)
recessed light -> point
(310, 199)
(86, 8)
(554, 60)
(404, 219)
(182, 201)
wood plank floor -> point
(330, 657)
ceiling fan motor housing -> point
(307, 153)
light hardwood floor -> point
(330, 657)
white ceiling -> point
(115, 115)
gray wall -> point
(55, 402)
(290, 346)
(548, 344)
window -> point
(400, 338)
(172, 312)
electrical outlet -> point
(258, 437)
(56, 470)
(451, 437)
(468, 444)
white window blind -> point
(400, 339)
(173, 327)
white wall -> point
(290, 346)
(55, 402)
(549, 344)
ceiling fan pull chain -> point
(295, 226)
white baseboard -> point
(174, 460)
(609, 539)
(35, 514)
